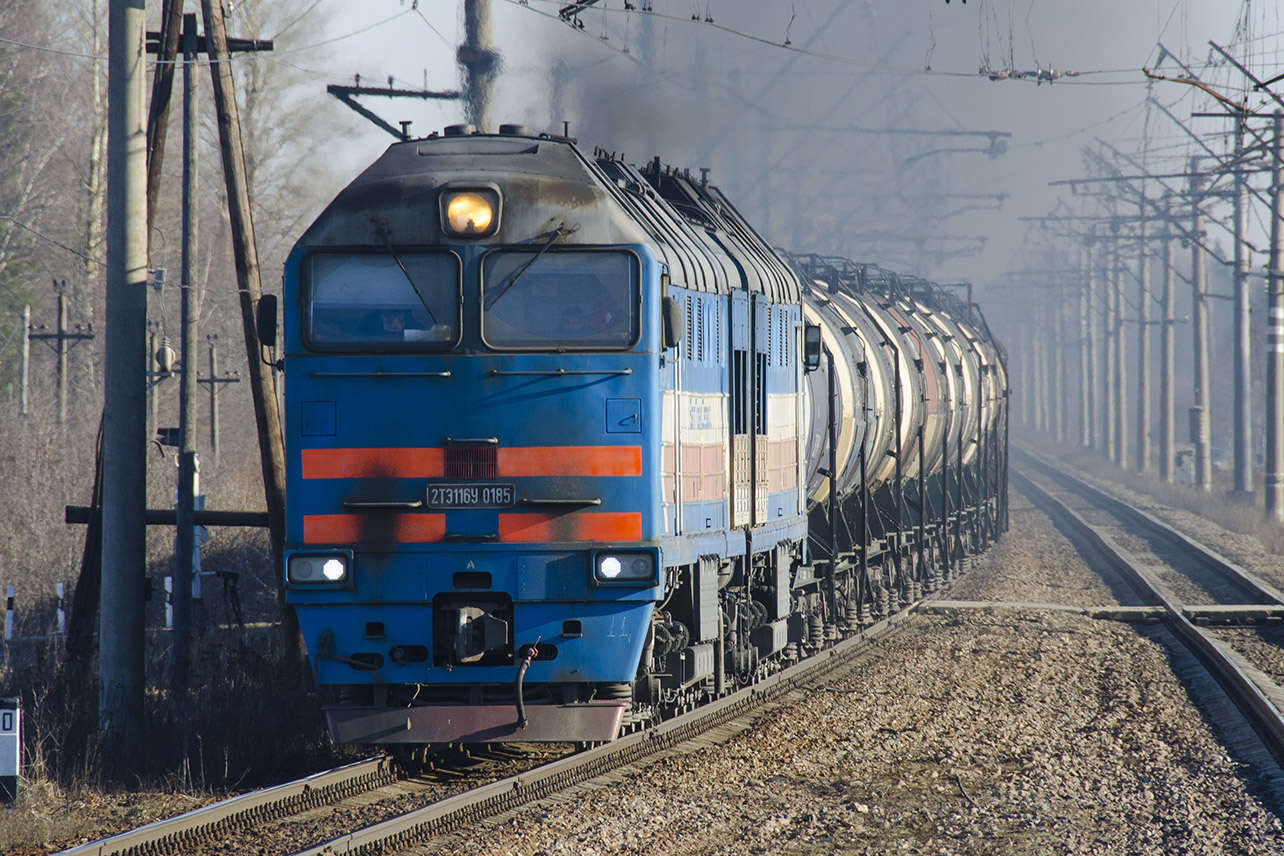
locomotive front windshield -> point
(381, 301)
(565, 299)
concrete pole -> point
(1243, 346)
(1143, 346)
(1200, 416)
(1060, 384)
(1108, 364)
(1121, 360)
(1087, 395)
(1025, 388)
(185, 508)
(120, 650)
(1039, 334)
(1101, 382)
(1167, 381)
(1275, 335)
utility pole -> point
(1112, 331)
(26, 358)
(166, 46)
(61, 338)
(1167, 381)
(1061, 372)
(1120, 428)
(153, 370)
(1039, 335)
(215, 381)
(1087, 397)
(1243, 347)
(1025, 384)
(245, 252)
(1199, 414)
(1143, 345)
(1101, 383)
(185, 505)
(120, 658)
(1275, 335)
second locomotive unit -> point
(569, 445)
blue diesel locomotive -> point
(569, 445)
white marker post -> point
(169, 603)
(61, 590)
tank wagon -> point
(569, 446)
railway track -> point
(446, 799)
(439, 811)
(1165, 578)
(261, 806)
(1187, 571)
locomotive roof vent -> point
(515, 131)
(464, 130)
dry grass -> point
(237, 725)
(242, 720)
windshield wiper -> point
(504, 286)
(381, 228)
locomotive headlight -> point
(328, 569)
(624, 568)
(472, 213)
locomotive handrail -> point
(561, 372)
(569, 502)
(383, 503)
(381, 374)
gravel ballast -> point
(998, 731)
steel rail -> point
(1265, 718)
(515, 791)
(1206, 555)
(253, 807)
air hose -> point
(529, 653)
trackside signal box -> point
(10, 747)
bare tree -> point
(30, 144)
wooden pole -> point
(261, 377)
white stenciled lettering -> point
(700, 416)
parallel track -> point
(1256, 696)
(1255, 592)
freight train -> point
(570, 447)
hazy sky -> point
(790, 132)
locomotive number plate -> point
(472, 495)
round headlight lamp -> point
(471, 213)
(625, 567)
(327, 569)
